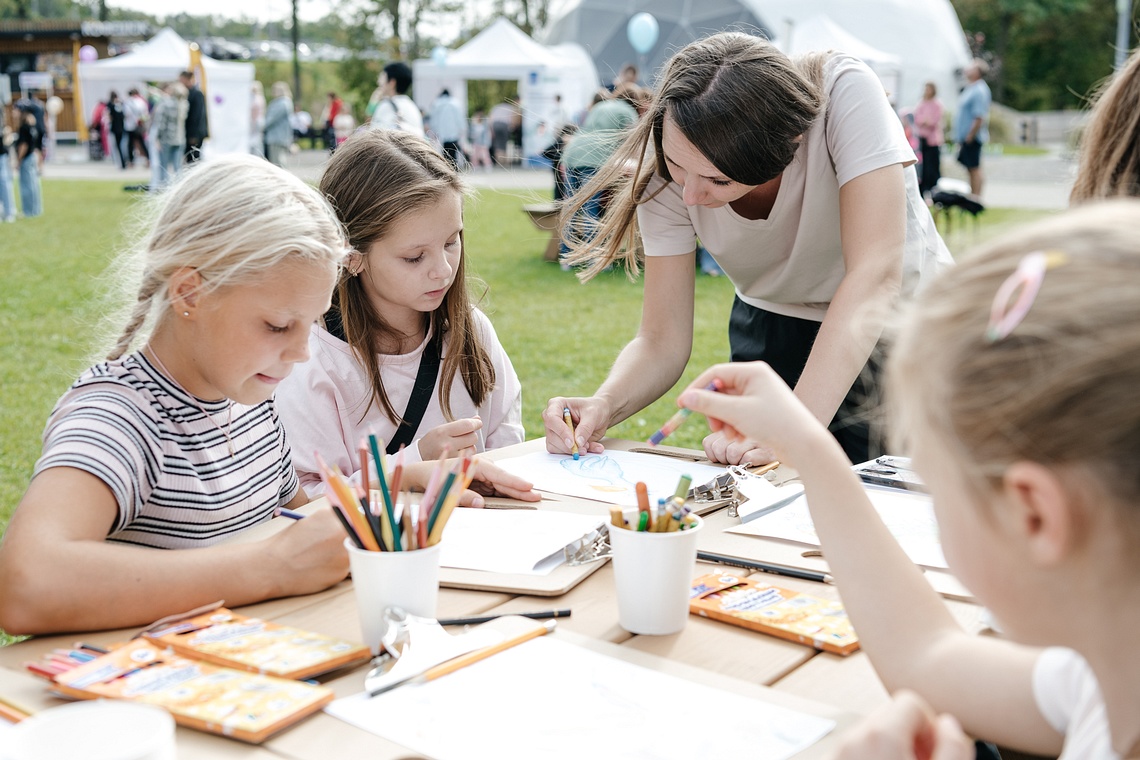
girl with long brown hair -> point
(403, 352)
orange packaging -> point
(199, 695)
(762, 607)
(227, 638)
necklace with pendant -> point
(230, 408)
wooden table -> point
(721, 655)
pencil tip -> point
(576, 455)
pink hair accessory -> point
(1016, 295)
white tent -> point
(503, 51)
(160, 59)
(925, 35)
(820, 33)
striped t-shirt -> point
(169, 467)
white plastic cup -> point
(103, 729)
(653, 572)
(407, 579)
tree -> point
(1045, 54)
(528, 15)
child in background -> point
(1013, 383)
(178, 445)
(402, 332)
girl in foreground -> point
(178, 444)
(1013, 383)
(403, 352)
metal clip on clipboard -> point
(725, 488)
(592, 547)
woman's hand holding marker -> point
(754, 404)
(589, 417)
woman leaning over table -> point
(791, 173)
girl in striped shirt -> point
(177, 445)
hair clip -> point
(1016, 295)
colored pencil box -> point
(228, 638)
(760, 606)
(200, 695)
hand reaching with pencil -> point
(755, 405)
(460, 437)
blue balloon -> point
(439, 55)
(642, 32)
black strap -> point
(421, 390)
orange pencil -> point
(10, 712)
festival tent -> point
(819, 33)
(925, 35)
(503, 51)
(227, 86)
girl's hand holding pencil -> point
(311, 554)
(754, 403)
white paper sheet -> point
(511, 540)
(550, 699)
(610, 477)
(908, 516)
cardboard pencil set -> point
(760, 606)
(214, 669)
(228, 638)
(200, 695)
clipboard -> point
(714, 538)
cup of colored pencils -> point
(654, 554)
(393, 541)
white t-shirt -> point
(1069, 697)
(322, 402)
(792, 262)
(399, 112)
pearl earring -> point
(185, 313)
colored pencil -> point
(573, 433)
(764, 567)
(488, 618)
(381, 476)
(681, 415)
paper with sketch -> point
(908, 516)
(550, 699)
(526, 541)
(611, 476)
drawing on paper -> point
(610, 477)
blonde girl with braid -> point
(173, 444)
